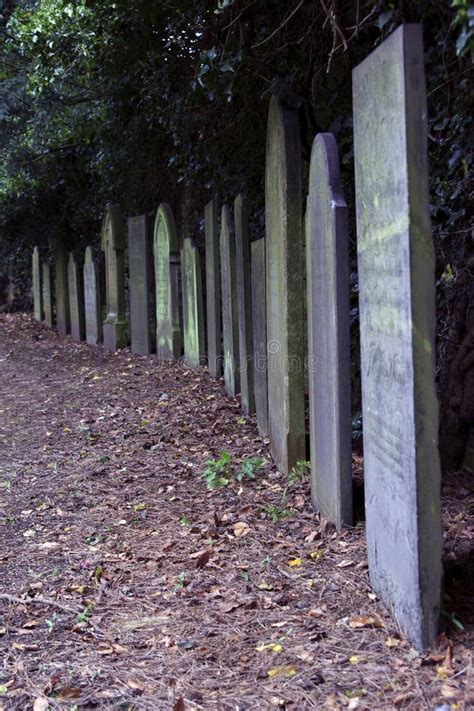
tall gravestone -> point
(327, 278)
(62, 292)
(92, 300)
(193, 308)
(76, 298)
(139, 284)
(37, 295)
(259, 329)
(213, 292)
(244, 304)
(284, 284)
(115, 326)
(47, 294)
(397, 325)
(230, 325)
(169, 337)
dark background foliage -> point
(140, 101)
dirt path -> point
(127, 584)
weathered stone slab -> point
(244, 304)
(138, 284)
(62, 292)
(92, 299)
(230, 324)
(213, 292)
(284, 271)
(397, 319)
(327, 278)
(76, 298)
(259, 329)
(37, 295)
(193, 308)
(47, 291)
(113, 245)
(169, 337)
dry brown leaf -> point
(402, 698)
(345, 563)
(203, 559)
(241, 529)
(366, 621)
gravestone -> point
(169, 337)
(213, 292)
(397, 324)
(92, 300)
(259, 329)
(76, 298)
(37, 295)
(62, 292)
(244, 304)
(230, 325)
(327, 278)
(47, 294)
(193, 309)
(115, 326)
(138, 284)
(284, 284)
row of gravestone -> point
(255, 317)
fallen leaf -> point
(241, 529)
(295, 562)
(265, 586)
(40, 704)
(392, 642)
(203, 559)
(450, 692)
(345, 563)
(365, 621)
(286, 670)
(179, 704)
(402, 698)
(69, 693)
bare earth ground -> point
(126, 584)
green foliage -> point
(249, 468)
(277, 513)
(218, 472)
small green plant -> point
(51, 622)
(87, 611)
(453, 620)
(181, 581)
(184, 521)
(297, 474)
(249, 468)
(275, 513)
(218, 472)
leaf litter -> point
(141, 588)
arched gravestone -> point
(169, 337)
(37, 295)
(76, 298)
(230, 324)
(244, 303)
(62, 292)
(213, 292)
(284, 284)
(115, 327)
(193, 310)
(92, 300)
(397, 333)
(327, 278)
(139, 284)
(47, 294)
(259, 327)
